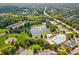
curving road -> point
(60, 21)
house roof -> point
(49, 35)
(47, 52)
(9, 40)
(26, 52)
(71, 43)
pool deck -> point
(53, 40)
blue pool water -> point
(58, 39)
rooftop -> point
(10, 40)
(71, 43)
(47, 52)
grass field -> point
(3, 30)
(20, 37)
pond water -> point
(59, 38)
(38, 30)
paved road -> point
(60, 21)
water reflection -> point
(38, 30)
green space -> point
(20, 37)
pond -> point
(59, 38)
(38, 30)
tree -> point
(62, 53)
(52, 28)
(70, 35)
(68, 49)
(30, 34)
(6, 51)
(13, 50)
(48, 24)
(27, 24)
(17, 45)
(22, 44)
(64, 50)
(77, 35)
(43, 43)
(77, 53)
(2, 25)
(35, 48)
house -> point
(17, 25)
(72, 43)
(26, 52)
(61, 28)
(77, 40)
(20, 49)
(47, 52)
(49, 35)
(53, 22)
(10, 40)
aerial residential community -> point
(39, 29)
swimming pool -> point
(59, 38)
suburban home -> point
(26, 52)
(17, 25)
(49, 35)
(47, 52)
(72, 43)
(61, 28)
(10, 40)
(53, 22)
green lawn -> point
(44, 34)
(3, 30)
(20, 37)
